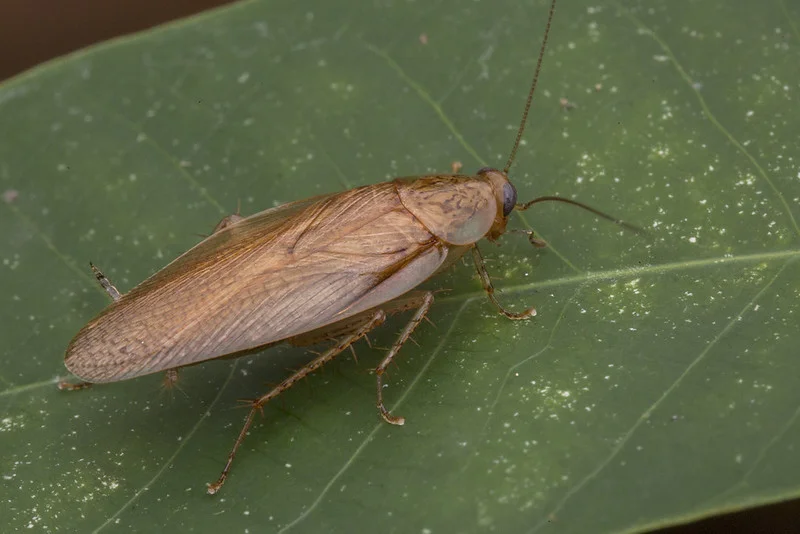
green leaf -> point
(657, 384)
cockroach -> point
(327, 268)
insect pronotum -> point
(327, 268)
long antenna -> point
(524, 120)
(606, 216)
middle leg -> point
(425, 305)
(480, 265)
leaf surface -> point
(658, 382)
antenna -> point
(524, 120)
(606, 216)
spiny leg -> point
(373, 321)
(480, 265)
(536, 242)
(170, 381)
(338, 330)
(427, 300)
(65, 385)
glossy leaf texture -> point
(658, 383)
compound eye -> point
(484, 170)
(509, 198)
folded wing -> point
(272, 276)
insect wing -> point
(269, 277)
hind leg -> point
(377, 317)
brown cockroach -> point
(329, 267)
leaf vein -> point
(711, 117)
(657, 403)
(171, 459)
(137, 129)
(380, 425)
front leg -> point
(489, 288)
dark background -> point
(34, 31)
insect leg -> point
(69, 386)
(374, 320)
(332, 332)
(535, 241)
(170, 378)
(105, 283)
(427, 300)
(480, 265)
(410, 301)
(170, 381)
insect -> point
(330, 267)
